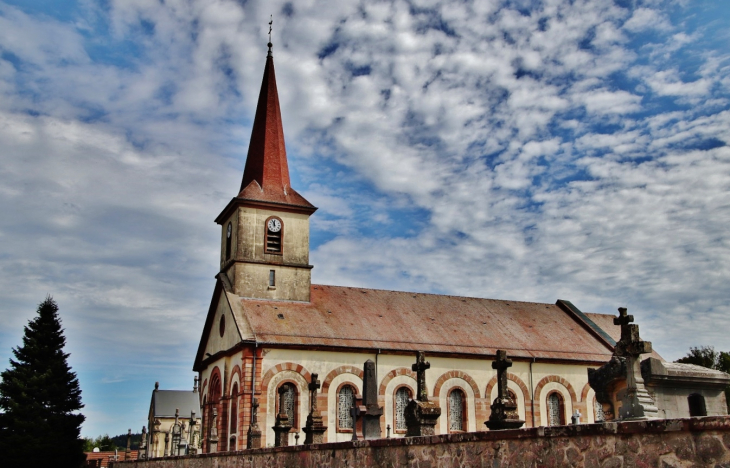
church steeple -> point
(266, 176)
(265, 228)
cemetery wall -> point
(693, 442)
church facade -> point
(269, 329)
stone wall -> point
(694, 442)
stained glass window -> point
(345, 401)
(555, 404)
(289, 402)
(402, 398)
(598, 407)
(456, 410)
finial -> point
(157, 385)
(271, 21)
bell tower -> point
(265, 228)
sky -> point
(508, 149)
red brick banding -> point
(493, 382)
(455, 374)
(339, 371)
(391, 375)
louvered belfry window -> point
(402, 398)
(555, 407)
(456, 410)
(345, 401)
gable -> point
(223, 306)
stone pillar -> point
(142, 453)
(371, 415)
(421, 414)
(253, 436)
(213, 436)
(315, 427)
(504, 411)
(282, 425)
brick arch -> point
(584, 392)
(290, 366)
(554, 378)
(215, 378)
(339, 371)
(236, 370)
(455, 374)
(393, 374)
(513, 378)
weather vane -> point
(271, 21)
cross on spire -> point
(271, 21)
(420, 369)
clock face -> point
(274, 225)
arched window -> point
(214, 394)
(696, 405)
(556, 411)
(229, 234)
(598, 415)
(403, 396)
(457, 413)
(290, 403)
(345, 401)
(274, 235)
(234, 412)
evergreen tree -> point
(40, 398)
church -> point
(269, 329)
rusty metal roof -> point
(361, 318)
(266, 175)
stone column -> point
(421, 414)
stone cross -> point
(314, 385)
(420, 369)
(636, 402)
(253, 436)
(501, 365)
(504, 413)
(142, 453)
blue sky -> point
(505, 149)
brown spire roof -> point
(266, 176)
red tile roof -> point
(401, 321)
(266, 176)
